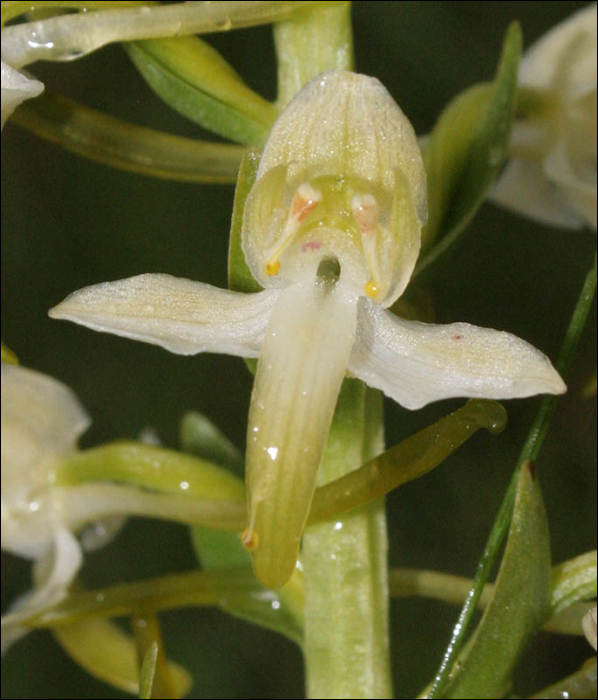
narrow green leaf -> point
(310, 42)
(197, 82)
(519, 605)
(465, 152)
(126, 146)
(148, 671)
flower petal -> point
(41, 420)
(182, 316)
(416, 363)
(524, 188)
(299, 375)
(565, 57)
(53, 575)
(580, 191)
(16, 88)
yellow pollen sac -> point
(250, 538)
(371, 290)
(273, 268)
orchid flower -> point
(41, 422)
(552, 177)
(331, 230)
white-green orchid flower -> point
(41, 422)
(332, 232)
(552, 177)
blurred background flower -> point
(552, 177)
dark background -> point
(68, 223)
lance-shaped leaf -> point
(465, 151)
(195, 80)
(519, 605)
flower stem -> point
(310, 42)
(345, 571)
(529, 453)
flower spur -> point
(331, 230)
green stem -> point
(345, 572)
(312, 42)
(196, 589)
(406, 461)
(530, 451)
